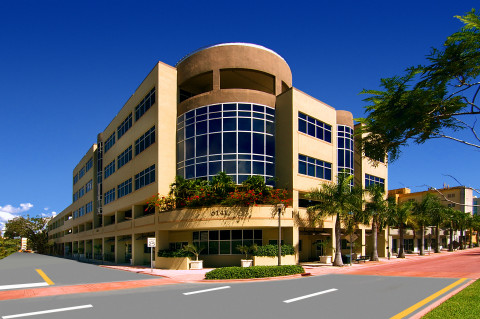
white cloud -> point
(8, 212)
(46, 208)
(52, 214)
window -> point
(75, 197)
(109, 143)
(314, 167)
(373, 180)
(89, 165)
(238, 138)
(89, 207)
(75, 179)
(109, 196)
(124, 188)
(81, 173)
(124, 127)
(225, 242)
(81, 211)
(145, 141)
(145, 104)
(109, 169)
(345, 149)
(88, 186)
(145, 177)
(450, 195)
(81, 192)
(124, 157)
(451, 205)
(314, 127)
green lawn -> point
(465, 304)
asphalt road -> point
(329, 296)
(379, 291)
(20, 268)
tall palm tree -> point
(400, 216)
(476, 227)
(422, 212)
(438, 218)
(375, 210)
(336, 199)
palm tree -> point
(422, 212)
(375, 210)
(221, 185)
(452, 224)
(400, 216)
(336, 199)
(438, 217)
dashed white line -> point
(46, 311)
(18, 286)
(311, 295)
(205, 290)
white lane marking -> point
(206, 290)
(311, 295)
(46, 311)
(35, 284)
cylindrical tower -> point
(226, 110)
(345, 142)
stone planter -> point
(196, 264)
(273, 261)
(177, 263)
(326, 259)
(246, 262)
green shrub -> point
(174, 253)
(254, 272)
(8, 246)
(272, 250)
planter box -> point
(246, 262)
(273, 261)
(196, 264)
(326, 259)
(178, 263)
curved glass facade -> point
(345, 148)
(237, 138)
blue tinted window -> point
(229, 142)
(215, 141)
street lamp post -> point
(280, 208)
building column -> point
(363, 241)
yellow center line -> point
(45, 277)
(427, 300)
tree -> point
(400, 216)
(336, 199)
(8, 246)
(438, 217)
(429, 101)
(422, 214)
(32, 228)
(375, 210)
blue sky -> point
(66, 68)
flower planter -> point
(326, 259)
(178, 263)
(246, 262)
(273, 261)
(196, 264)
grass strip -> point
(465, 304)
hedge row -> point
(272, 250)
(174, 253)
(254, 272)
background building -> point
(228, 107)
(459, 198)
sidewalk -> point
(314, 268)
